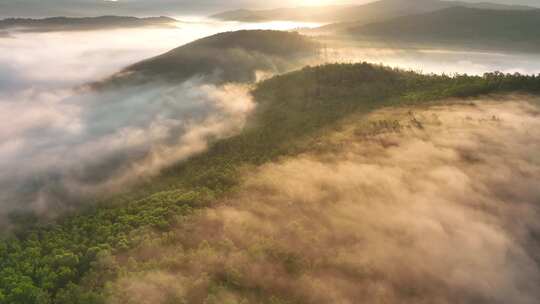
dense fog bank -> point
(434, 205)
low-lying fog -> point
(60, 59)
(438, 61)
(409, 205)
(58, 141)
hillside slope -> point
(487, 29)
(394, 191)
(73, 260)
(225, 57)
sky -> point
(32, 8)
(41, 8)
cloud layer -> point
(437, 61)
(433, 205)
(62, 143)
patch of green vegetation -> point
(72, 260)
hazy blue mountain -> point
(82, 24)
(461, 26)
(371, 12)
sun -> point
(316, 2)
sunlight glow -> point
(316, 2)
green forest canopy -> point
(71, 260)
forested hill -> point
(461, 26)
(82, 24)
(359, 14)
(231, 56)
(73, 260)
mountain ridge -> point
(225, 57)
(474, 27)
(293, 111)
(369, 12)
(63, 23)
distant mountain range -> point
(82, 24)
(367, 13)
(421, 22)
(460, 26)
